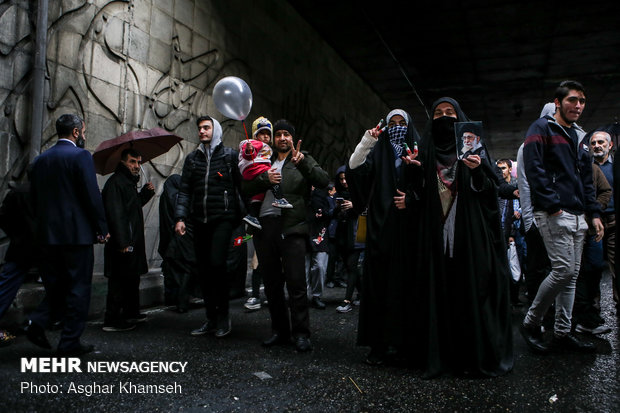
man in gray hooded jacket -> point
(209, 197)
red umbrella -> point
(150, 143)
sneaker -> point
(356, 302)
(120, 326)
(140, 318)
(316, 302)
(345, 307)
(250, 220)
(252, 304)
(224, 328)
(207, 328)
(281, 203)
(580, 328)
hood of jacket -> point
(580, 132)
(215, 140)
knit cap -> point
(260, 124)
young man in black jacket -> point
(209, 197)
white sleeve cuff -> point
(362, 150)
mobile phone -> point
(339, 201)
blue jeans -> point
(564, 237)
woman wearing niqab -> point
(461, 276)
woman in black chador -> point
(378, 178)
(461, 290)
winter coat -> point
(123, 209)
(558, 169)
(296, 184)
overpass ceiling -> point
(500, 59)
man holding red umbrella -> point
(124, 255)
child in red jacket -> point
(255, 159)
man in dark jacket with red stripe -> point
(559, 172)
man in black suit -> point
(69, 219)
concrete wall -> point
(125, 65)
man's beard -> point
(600, 155)
(283, 149)
(80, 142)
(563, 114)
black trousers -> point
(123, 299)
(282, 261)
(211, 241)
(67, 276)
(354, 278)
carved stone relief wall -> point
(131, 64)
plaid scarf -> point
(397, 135)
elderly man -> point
(586, 311)
(281, 245)
(124, 255)
(601, 146)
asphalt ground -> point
(237, 374)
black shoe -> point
(317, 303)
(570, 342)
(118, 326)
(224, 329)
(139, 318)
(534, 339)
(302, 344)
(36, 335)
(375, 358)
(78, 351)
(207, 328)
(277, 340)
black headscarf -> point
(387, 280)
(439, 143)
(464, 298)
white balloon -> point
(233, 97)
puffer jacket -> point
(209, 183)
(296, 185)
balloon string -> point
(246, 131)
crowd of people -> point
(438, 239)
